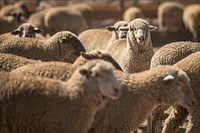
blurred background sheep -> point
(95, 24)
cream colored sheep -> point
(141, 92)
(191, 19)
(190, 65)
(63, 46)
(85, 9)
(173, 52)
(61, 70)
(43, 105)
(135, 52)
(9, 62)
(169, 55)
(61, 18)
(170, 16)
(132, 12)
(26, 30)
(99, 38)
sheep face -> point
(138, 32)
(118, 34)
(108, 84)
(179, 89)
(26, 30)
(69, 45)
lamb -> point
(168, 55)
(37, 104)
(131, 13)
(61, 70)
(191, 19)
(9, 62)
(63, 46)
(26, 30)
(190, 65)
(141, 92)
(75, 24)
(167, 11)
(135, 52)
(91, 42)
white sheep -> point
(60, 70)
(169, 54)
(134, 53)
(61, 18)
(191, 19)
(170, 16)
(141, 92)
(99, 38)
(131, 13)
(63, 46)
(38, 104)
(190, 65)
(26, 30)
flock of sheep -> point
(101, 81)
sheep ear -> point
(15, 32)
(37, 30)
(85, 55)
(124, 28)
(168, 78)
(151, 28)
(110, 28)
(85, 72)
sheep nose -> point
(141, 38)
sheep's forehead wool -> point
(139, 23)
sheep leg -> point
(157, 117)
(177, 117)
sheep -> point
(91, 42)
(61, 70)
(169, 55)
(68, 20)
(18, 7)
(134, 53)
(191, 19)
(173, 52)
(190, 65)
(9, 62)
(141, 92)
(63, 46)
(170, 16)
(132, 13)
(26, 30)
(45, 105)
(85, 9)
